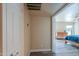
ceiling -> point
(69, 14)
(47, 9)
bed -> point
(73, 39)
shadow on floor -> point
(45, 53)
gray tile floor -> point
(61, 50)
(66, 49)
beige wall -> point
(0, 28)
(60, 26)
(27, 40)
(40, 32)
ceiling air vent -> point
(34, 6)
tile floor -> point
(61, 50)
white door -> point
(9, 29)
(18, 28)
(13, 29)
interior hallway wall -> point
(27, 40)
(40, 33)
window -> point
(68, 29)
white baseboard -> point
(37, 50)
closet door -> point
(17, 27)
(14, 29)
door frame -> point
(4, 29)
(53, 25)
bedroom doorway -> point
(63, 29)
(63, 25)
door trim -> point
(52, 18)
(4, 29)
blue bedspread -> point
(74, 38)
